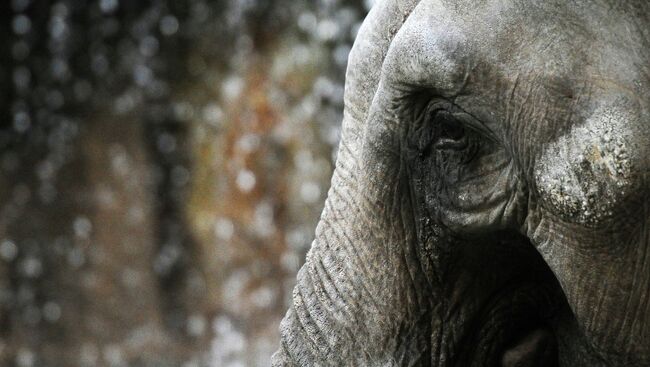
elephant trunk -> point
(361, 296)
(346, 303)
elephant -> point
(490, 202)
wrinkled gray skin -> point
(491, 199)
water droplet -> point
(310, 192)
(196, 325)
(76, 257)
(166, 143)
(22, 122)
(212, 114)
(248, 143)
(142, 75)
(31, 267)
(168, 25)
(224, 229)
(8, 250)
(245, 180)
(21, 24)
(82, 227)
(149, 46)
(113, 354)
(307, 22)
(232, 87)
(327, 30)
(51, 311)
(25, 358)
(108, 6)
(262, 297)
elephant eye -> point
(442, 131)
(448, 132)
(441, 127)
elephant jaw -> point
(514, 330)
(537, 348)
(527, 338)
(510, 320)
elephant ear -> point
(329, 300)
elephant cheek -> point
(493, 201)
(591, 223)
(594, 174)
(605, 276)
(607, 292)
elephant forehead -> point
(462, 47)
(442, 46)
(428, 51)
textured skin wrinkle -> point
(440, 257)
(312, 320)
(365, 293)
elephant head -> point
(490, 204)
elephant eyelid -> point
(469, 121)
(451, 144)
(472, 123)
(450, 132)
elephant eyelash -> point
(474, 124)
(439, 125)
(465, 119)
(448, 132)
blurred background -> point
(163, 166)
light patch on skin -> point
(586, 173)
